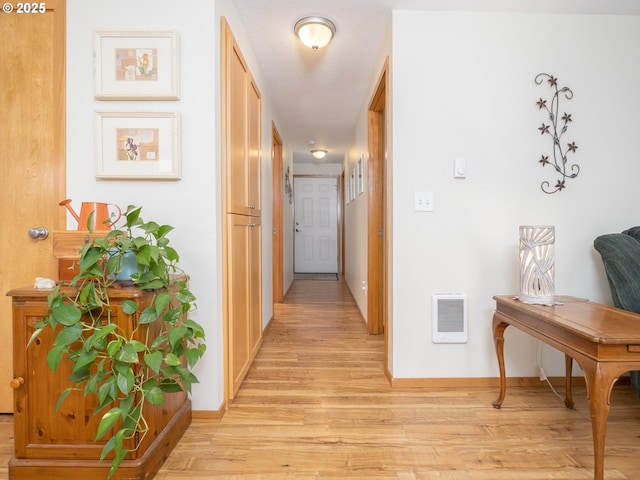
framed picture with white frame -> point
(360, 174)
(136, 65)
(137, 145)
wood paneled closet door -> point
(32, 157)
(241, 170)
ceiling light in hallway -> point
(314, 32)
(319, 154)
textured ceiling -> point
(317, 95)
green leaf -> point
(133, 216)
(143, 256)
(36, 333)
(153, 284)
(173, 316)
(148, 315)
(154, 360)
(127, 353)
(125, 382)
(154, 396)
(66, 314)
(185, 296)
(171, 254)
(126, 404)
(172, 360)
(102, 332)
(162, 300)
(138, 345)
(176, 335)
(164, 230)
(106, 392)
(107, 422)
(68, 335)
(84, 359)
(129, 307)
(157, 342)
(198, 330)
(113, 347)
(90, 258)
(170, 386)
(193, 355)
(62, 397)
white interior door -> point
(316, 224)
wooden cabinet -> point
(242, 124)
(241, 115)
(60, 444)
(244, 295)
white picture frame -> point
(135, 65)
(137, 145)
(360, 174)
(353, 183)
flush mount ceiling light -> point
(319, 154)
(314, 32)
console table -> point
(603, 340)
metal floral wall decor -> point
(557, 127)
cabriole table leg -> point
(498, 339)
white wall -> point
(193, 204)
(463, 86)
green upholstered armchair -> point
(620, 254)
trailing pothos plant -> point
(125, 371)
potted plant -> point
(123, 372)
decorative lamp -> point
(537, 258)
(314, 32)
(319, 154)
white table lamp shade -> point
(537, 258)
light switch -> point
(423, 202)
(460, 168)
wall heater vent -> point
(449, 318)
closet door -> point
(243, 135)
(242, 176)
(253, 151)
(254, 252)
(238, 285)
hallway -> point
(316, 405)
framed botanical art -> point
(137, 145)
(136, 65)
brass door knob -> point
(16, 383)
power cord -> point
(543, 376)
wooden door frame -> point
(277, 247)
(378, 190)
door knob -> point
(38, 233)
(298, 230)
(16, 383)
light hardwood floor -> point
(316, 404)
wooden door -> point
(32, 157)
(316, 224)
(242, 131)
(278, 181)
(254, 166)
(254, 253)
(238, 231)
(237, 173)
(378, 222)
